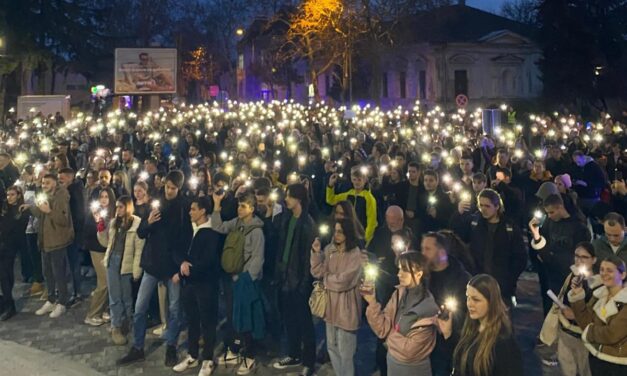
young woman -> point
(101, 210)
(487, 346)
(571, 353)
(340, 269)
(604, 319)
(12, 239)
(121, 261)
(142, 200)
(406, 323)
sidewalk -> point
(32, 345)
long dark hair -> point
(350, 233)
(349, 212)
(483, 341)
(412, 262)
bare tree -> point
(523, 11)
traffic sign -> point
(461, 100)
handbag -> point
(318, 300)
(548, 333)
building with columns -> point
(436, 56)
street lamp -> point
(239, 32)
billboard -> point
(145, 70)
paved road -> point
(66, 343)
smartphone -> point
(220, 192)
(444, 313)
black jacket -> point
(166, 239)
(505, 260)
(506, 358)
(77, 207)
(296, 274)
(272, 234)
(443, 207)
(557, 255)
(12, 228)
(204, 254)
(449, 283)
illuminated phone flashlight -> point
(155, 204)
(100, 152)
(432, 200)
(144, 175)
(583, 271)
(94, 205)
(135, 166)
(274, 196)
(451, 304)
(277, 163)
(518, 153)
(465, 196)
(38, 168)
(323, 229)
(447, 179)
(302, 160)
(193, 182)
(383, 169)
(457, 186)
(364, 170)
(103, 213)
(41, 198)
(399, 245)
(371, 272)
(538, 214)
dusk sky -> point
(493, 6)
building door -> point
(461, 82)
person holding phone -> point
(487, 346)
(340, 268)
(407, 321)
(604, 319)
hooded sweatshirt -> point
(253, 244)
(204, 255)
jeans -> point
(341, 345)
(201, 307)
(120, 295)
(74, 258)
(146, 290)
(55, 270)
(299, 327)
(35, 257)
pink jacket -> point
(341, 273)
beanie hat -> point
(565, 178)
(546, 189)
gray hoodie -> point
(253, 245)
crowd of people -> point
(249, 223)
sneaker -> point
(106, 317)
(306, 371)
(59, 309)
(74, 300)
(118, 337)
(159, 331)
(186, 364)
(36, 289)
(9, 311)
(208, 366)
(170, 356)
(288, 361)
(44, 295)
(247, 366)
(134, 355)
(94, 321)
(45, 309)
(229, 358)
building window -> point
(422, 84)
(402, 82)
(461, 82)
(384, 85)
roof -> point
(456, 23)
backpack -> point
(233, 252)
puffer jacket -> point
(605, 323)
(133, 247)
